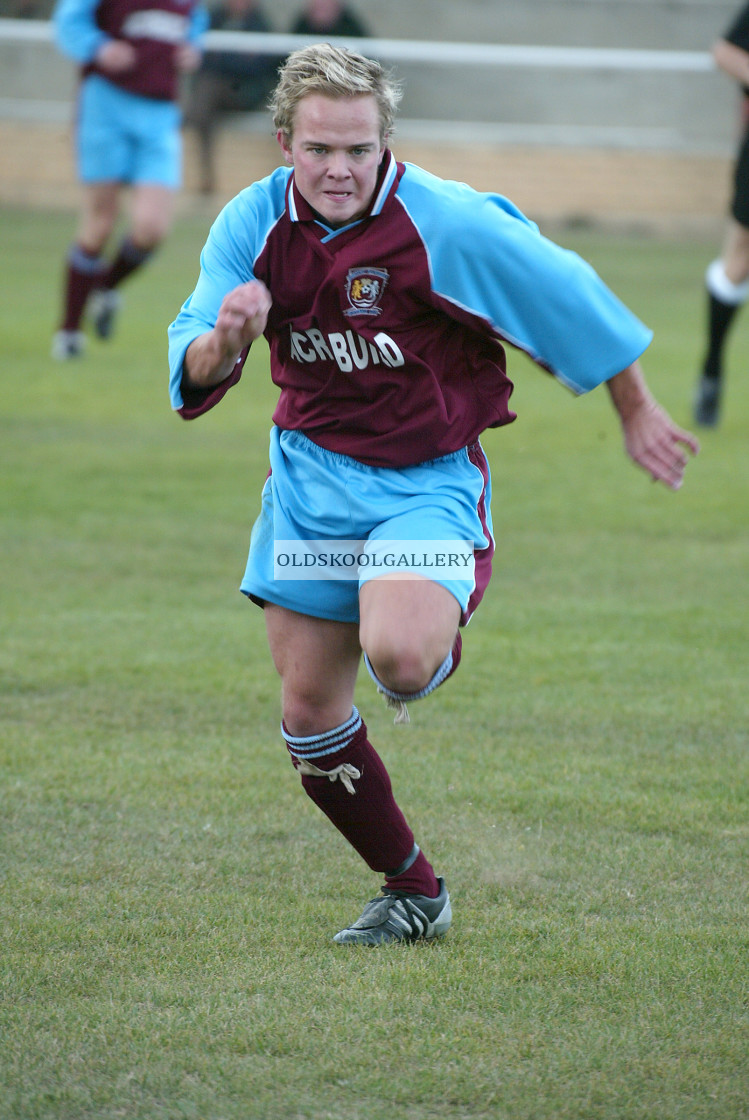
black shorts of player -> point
(740, 203)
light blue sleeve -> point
(199, 22)
(78, 36)
(234, 243)
(489, 260)
(75, 30)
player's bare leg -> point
(344, 776)
(727, 282)
(735, 255)
(409, 633)
(317, 660)
(85, 267)
(151, 216)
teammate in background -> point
(727, 278)
(131, 56)
(386, 295)
(228, 81)
(328, 17)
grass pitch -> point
(168, 895)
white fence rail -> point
(466, 91)
(422, 51)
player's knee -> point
(303, 716)
(149, 236)
(310, 713)
(406, 668)
(151, 224)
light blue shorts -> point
(314, 495)
(125, 138)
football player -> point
(130, 54)
(387, 296)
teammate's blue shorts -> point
(314, 495)
(125, 138)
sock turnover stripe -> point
(316, 746)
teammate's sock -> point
(129, 258)
(724, 300)
(346, 778)
(720, 317)
(83, 273)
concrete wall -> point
(681, 24)
(692, 112)
(678, 24)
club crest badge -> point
(364, 289)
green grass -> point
(168, 894)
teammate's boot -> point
(104, 305)
(707, 402)
(67, 345)
(395, 916)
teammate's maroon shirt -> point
(155, 28)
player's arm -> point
(75, 30)
(242, 317)
(651, 438)
(228, 308)
(78, 36)
(732, 60)
(199, 24)
(190, 53)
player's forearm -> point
(241, 318)
(629, 392)
(208, 361)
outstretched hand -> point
(658, 445)
(651, 437)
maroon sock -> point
(129, 257)
(415, 879)
(83, 273)
(369, 818)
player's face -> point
(335, 151)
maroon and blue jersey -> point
(155, 28)
(387, 337)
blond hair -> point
(337, 73)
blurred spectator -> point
(25, 9)
(327, 17)
(228, 81)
